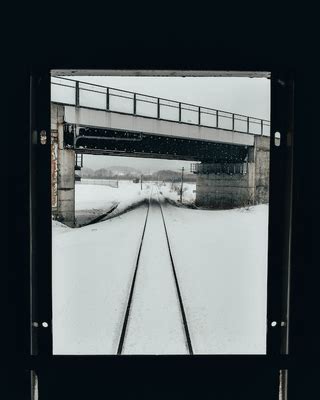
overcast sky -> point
(248, 96)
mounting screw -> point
(281, 82)
(43, 137)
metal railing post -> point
(158, 108)
(217, 118)
(199, 116)
(77, 94)
(179, 112)
(134, 103)
(248, 125)
(108, 99)
(233, 122)
(261, 127)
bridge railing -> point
(83, 94)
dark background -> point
(164, 38)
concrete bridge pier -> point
(223, 186)
(231, 185)
(62, 171)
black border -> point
(304, 346)
(279, 217)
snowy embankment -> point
(92, 200)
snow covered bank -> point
(94, 200)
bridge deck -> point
(87, 117)
(106, 107)
(136, 124)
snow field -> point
(92, 200)
(221, 263)
(92, 272)
(92, 196)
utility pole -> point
(181, 185)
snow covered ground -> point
(155, 323)
(92, 272)
(221, 262)
(172, 192)
(220, 259)
(92, 200)
(102, 196)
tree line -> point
(162, 175)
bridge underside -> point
(231, 174)
(136, 144)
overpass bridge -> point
(92, 119)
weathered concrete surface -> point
(262, 168)
(54, 170)
(66, 187)
(63, 197)
(153, 126)
(222, 191)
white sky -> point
(248, 96)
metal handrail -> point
(158, 101)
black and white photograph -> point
(161, 208)
(160, 214)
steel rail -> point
(127, 313)
(183, 313)
(128, 308)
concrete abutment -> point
(231, 185)
(62, 171)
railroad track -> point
(133, 288)
(126, 316)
